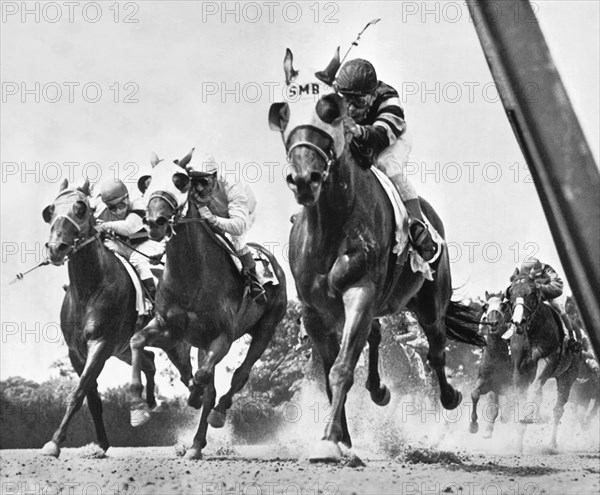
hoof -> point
(473, 427)
(382, 396)
(193, 454)
(454, 402)
(50, 449)
(139, 416)
(216, 419)
(326, 451)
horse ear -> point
(47, 213)
(487, 295)
(279, 116)
(154, 159)
(85, 189)
(63, 185)
(328, 75)
(514, 275)
(288, 67)
(186, 159)
(181, 182)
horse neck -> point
(87, 267)
(337, 199)
(192, 254)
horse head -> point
(524, 297)
(71, 219)
(494, 320)
(167, 193)
(310, 121)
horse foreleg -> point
(358, 302)
(534, 394)
(475, 395)
(564, 383)
(380, 394)
(98, 353)
(151, 334)
(204, 379)
(260, 340)
(149, 369)
(495, 408)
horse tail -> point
(462, 324)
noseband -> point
(315, 139)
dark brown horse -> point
(98, 314)
(341, 253)
(201, 299)
(538, 353)
(494, 376)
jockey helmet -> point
(531, 265)
(113, 191)
(203, 167)
(356, 77)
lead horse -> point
(341, 253)
(98, 314)
(201, 299)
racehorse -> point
(98, 314)
(538, 351)
(494, 376)
(201, 298)
(341, 253)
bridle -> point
(532, 312)
(303, 134)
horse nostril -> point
(290, 180)
(315, 177)
(161, 221)
(63, 247)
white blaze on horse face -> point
(518, 311)
(162, 180)
(302, 95)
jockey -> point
(550, 285)
(378, 127)
(230, 207)
(124, 219)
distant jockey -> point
(124, 219)
(230, 207)
(551, 287)
(378, 128)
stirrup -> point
(421, 239)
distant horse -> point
(341, 253)
(201, 299)
(494, 376)
(586, 389)
(538, 352)
(98, 314)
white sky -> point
(175, 64)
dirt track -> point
(246, 470)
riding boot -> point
(257, 292)
(420, 237)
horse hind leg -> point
(380, 394)
(261, 337)
(149, 370)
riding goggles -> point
(357, 101)
(121, 205)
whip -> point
(355, 42)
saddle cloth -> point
(417, 263)
(141, 305)
(264, 268)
